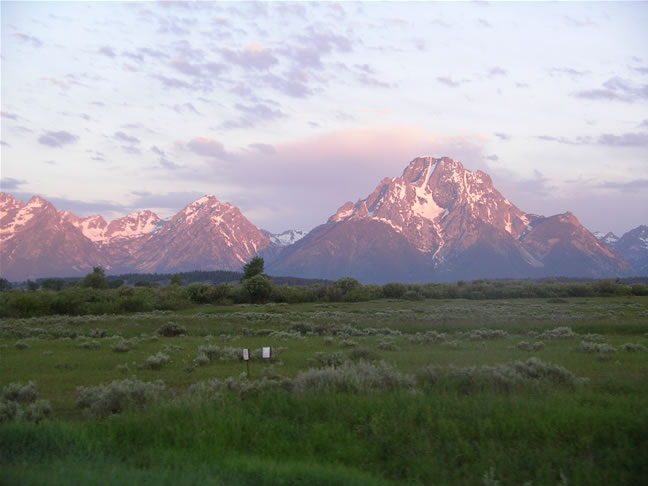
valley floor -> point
(509, 392)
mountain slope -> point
(205, 235)
(439, 221)
(37, 241)
(633, 246)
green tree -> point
(176, 279)
(32, 286)
(96, 279)
(346, 284)
(53, 284)
(252, 268)
(4, 285)
(258, 287)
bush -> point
(213, 352)
(104, 400)
(19, 402)
(171, 329)
(558, 333)
(588, 347)
(90, 344)
(353, 377)
(21, 345)
(157, 361)
(394, 290)
(122, 346)
(501, 377)
(387, 346)
(633, 347)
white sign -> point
(246, 354)
(265, 352)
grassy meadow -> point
(493, 392)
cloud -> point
(538, 184)
(561, 71)
(483, 23)
(122, 137)
(608, 139)
(80, 208)
(448, 81)
(201, 84)
(565, 140)
(57, 139)
(4, 144)
(492, 157)
(170, 200)
(172, 82)
(503, 136)
(624, 140)
(10, 116)
(497, 71)
(10, 184)
(182, 65)
(292, 84)
(643, 124)
(208, 147)
(107, 51)
(265, 149)
(164, 162)
(253, 115)
(616, 89)
(253, 56)
(572, 22)
(186, 107)
(28, 39)
(631, 186)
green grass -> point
(596, 433)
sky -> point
(288, 110)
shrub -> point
(588, 347)
(17, 392)
(21, 345)
(157, 361)
(19, 402)
(558, 333)
(348, 343)
(353, 377)
(362, 354)
(387, 346)
(201, 360)
(122, 346)
(394, 290)
(327, 360)
(171, 329)
(501, 377)
(104, 400)
(213, 352)
(633, 347)
(90, 344)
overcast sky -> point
(287, 110)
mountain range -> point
(436, 222)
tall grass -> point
(315, 437)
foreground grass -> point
(334, 438)
(432, 434)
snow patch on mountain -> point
(285, 238)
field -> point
(509, 392)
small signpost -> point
(266, 353)
(246, 358)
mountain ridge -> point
(437, 221)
